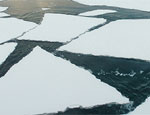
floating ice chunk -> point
(59, 27)
(3, 14)
(45, 8)
(5, 50)
(12, 27)
(125, 38)
(1, 11)
(43, 83)
(96, 12)
(3, 8)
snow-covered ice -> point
(5, 50)
(43, 83)
(3, 8)
(143, 109)
(97, 12)
(1, 11)
(59, 27)
(125, 38)
(3, 14)
(12, 27)
(132, 4)
(45, 8)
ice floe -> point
(132, 4)
(1, 11)
(3, 8)
(124, 38)
(3, 14)
(5, 50)
(96, 12)
(43, 83)
(12, 27)
(45, 8)
(59, 27)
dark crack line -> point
(87, 31)
(16, 38)
(23, 48)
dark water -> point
(131, 77)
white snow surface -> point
(62, 28)
(1, 11)
(143, 109)
(3, 8)
(5, 50)
(43, 83)
(3, 14)
(132, 4)
(97, 12)
(125, 38)
(45, 8)
(12, 27)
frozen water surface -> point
(62, 28)
(42, 82)
(125, 38)
(11, 28)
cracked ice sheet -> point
(142, 109)
(125, 38)
(12, 27)
(132, 4)
(59, 27)
(5, 50)
(97, 12)
(43, 83)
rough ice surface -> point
(5, 50)
(125, 38)
(143, 109)
(12, 27)
(132, 4)
(96, 12)
(59, 27)
(43, 83)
